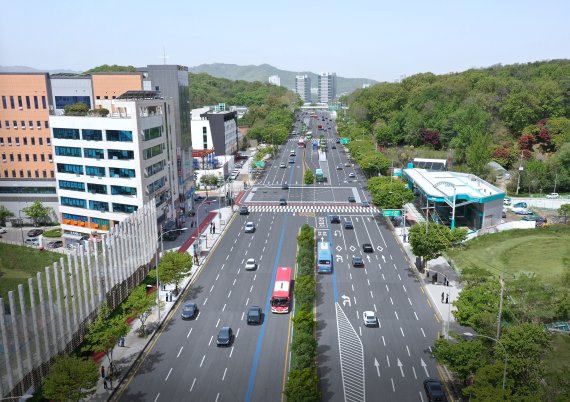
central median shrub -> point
(303, 381)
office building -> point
(326, 87)
(109, 166)
(303, 87)
(214, 130)
(274, 80)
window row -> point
(92, 135)
(23, 124)
(94, 188)
(97, 205)
(26, 158)
(94, 153)
(20, 174)
(24, 141)
(95, 171)
(19, 100)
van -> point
(170, 231)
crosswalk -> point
(341, 209)
(329, 140)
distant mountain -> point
(25, 69)
(263, 71)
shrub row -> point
(302, 384)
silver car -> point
(250, 264)
(249, 227)
(370, 319)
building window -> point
(3, 157)
(68, 151)
(154, 169)
(6, 173)
(156, 185)
(25, 140)
(17, 141)
(31, 124)
(44, 106)
(52, 175)
(48, 142)
(153, 151)
(120, 154)
(12, 102)
(99, 206)
(38, 124)
(46, 124)
(71, 185)
(151, 133)
(105, 97)
(13, 172)
(33, 140)
(21, 173)
(23, 124)
(15, 124)
(68, 168)
(11, 157)
(44, 173)
(36, 102)
(93, 153)
(29, 173)
(20, 104)
(120, 135)
(7, 123)
(95, 171)
(123, 190)
(63, 101)
(92, 135)
(66, 133)
(19, 157)
(121, 172)
(97, 188)
(27, 156)
(128, 209)
(4, 103)
(9, 140)
(37, 174)
(73, 202)
(28, 102)
(1, 140)
(42, 157)
(35, 157)
(50, 158)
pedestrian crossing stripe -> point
(296, 140)
(346, 209)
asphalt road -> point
(388, 362)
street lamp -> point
(156, 264)
(504, 350)
(21, 225)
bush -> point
(52, 233)
(305, 290)
(101, 112)
(304, 320)
(303, 361)
(302, 386)
(309, 177)
(304, 344)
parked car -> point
(250, 264)
(434, 390)
(243, 210)
(536, 218)
(367, 248)
(35, 232)
(55, 244)
(370, 319)
(254, 315)
(249, 227)
(357, 261)
(32, 241)
(225, 336)
(520, 205)
(522, 211)
(189, 311)
(552, 195)
(507, 201)
(3, 230)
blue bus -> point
(324, 258)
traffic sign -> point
(391, 212)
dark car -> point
(333, 146)
(254, 315)
(291, 160)
(35, 232)
(199, 197)
(365, 204)
(357, 261)
(55, 244)
(348, 225)
(225, 336)
(243, 210)
(367, 248)
(338, 140)
(351, 199)
(434, 390)
(284, 186)
(520, 205)
(189, 311)
(282, 201)
(335, 219)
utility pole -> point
(555, 180)
(520, 173)
(500, 307)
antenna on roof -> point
(164, 56)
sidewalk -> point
(125, 358)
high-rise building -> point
(326, 87)
(216, 130)
(274, 80)
(108, 166)
(303, 87)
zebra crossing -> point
(341, 209)
(329, 140)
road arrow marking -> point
(339, 258)
(377, 365)
(424, 365)
(346, 300)
(401, 367)
(338, 248)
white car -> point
(553, 195)
(250, 264)
(370, 318)
(3, 230)
(32, 241)
(249, 227)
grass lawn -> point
(18, 263)
(543, 251)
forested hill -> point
(515, 109)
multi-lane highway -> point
(355, 363)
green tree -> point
(478, 306)
(38, 213)
(430, 240)
(564, 211)
(488, 385)
(5, 213)
(174, 267)
(77, 109)
(140, 304)
(70, 379)
(309, 177)
(479, 154)
(209, 180)
(374, 163)
(302, 386)
(105, 68)
(304, 321)
(463, 358)
(389, 194)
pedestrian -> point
(102, 371)
(213, 229)
(447, 298)
(442, 294)
(435, 278)
(170, 296)
(122, 341)
(105, 386)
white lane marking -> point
(157, 395)
(417, 319)
(423, 333)
(421, 396)
(352, 286)
(235, 241)
(211, 338)
(205, 301)
(180, 351)
(227, 256)
(202, 362)
(391, 301)
(393, 388)
(365, 271)
(224, 376)
(383, 277)
(368, 280)
(254, 276)
(396, 268)
(242, 315)
(391, 257)
(399, 277)
(168, 375)
(375, 309)
(235, 279)
(237, 333)
(217, 276)
(217, 396)
(193, 382)
(229, 293)
(414, 370)
(232, 249)
(371, 295)
(189, 332)
(388, 360)
(354, 297)
(387, 290)
(402, 331)
(223, 265)
(409, 301)
(249, 245)
(212, 288)
(239, 269)
(263, 251)
(251, 288)
(360, 330)
(397, 318)
(408, 349)
(404, 288)
(350, 275)
(383, 340)
(231, 351)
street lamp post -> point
(21, 225)
(504, 350)
(156, 263)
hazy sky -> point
(382, 40)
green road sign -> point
(344, 141)
(391, 212)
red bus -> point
(301, 143)
(281, 296)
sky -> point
(381, 40)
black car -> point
(55, 244)
(225, 336)
(348, 225)
(335, 219)
(35, 232)
(351, 199)
(284, 186)
(367, 248)
(434, 390)
(243, 210)
(254, 315)
(338, 140)
(282, 201)
(333, 146)
(189, 311)
(357, 261)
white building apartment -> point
(274, 80)
(216, 130)
(108, 167)
(303, 87)
(326, 87)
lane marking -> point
(193, 382)
(168, 375)
(224, 308)
(189, 332)
(202, 362)
(205, 301)
(180, 351)
(212, 337)
(224, 376)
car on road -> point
(347, 164)
(32, 241)
(199, 198)
(284, 186)
(254, 315)
(55, 244)
(348, 225)
(3, 230)
(335, 219)
(249, 227)
(357, 261)
(536, 218)
(282, 201)
(365, 204)
(434, 390)
(34, 232)
(292, 153)
(333, 146)
(351, 199)
(370, 319)
(189, 311)
(283, 166)
(507, 201)
(338, 167)
(250, 264)
(243, 210)
(552, 195)
(520, 205)
(225, 336)
(291, 160)
(352, 175)
(367, 248)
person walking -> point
(102, 371)
(105, 385)
(442, 295)
(447, 298)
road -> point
(356, 363)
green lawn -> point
(543, 251)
